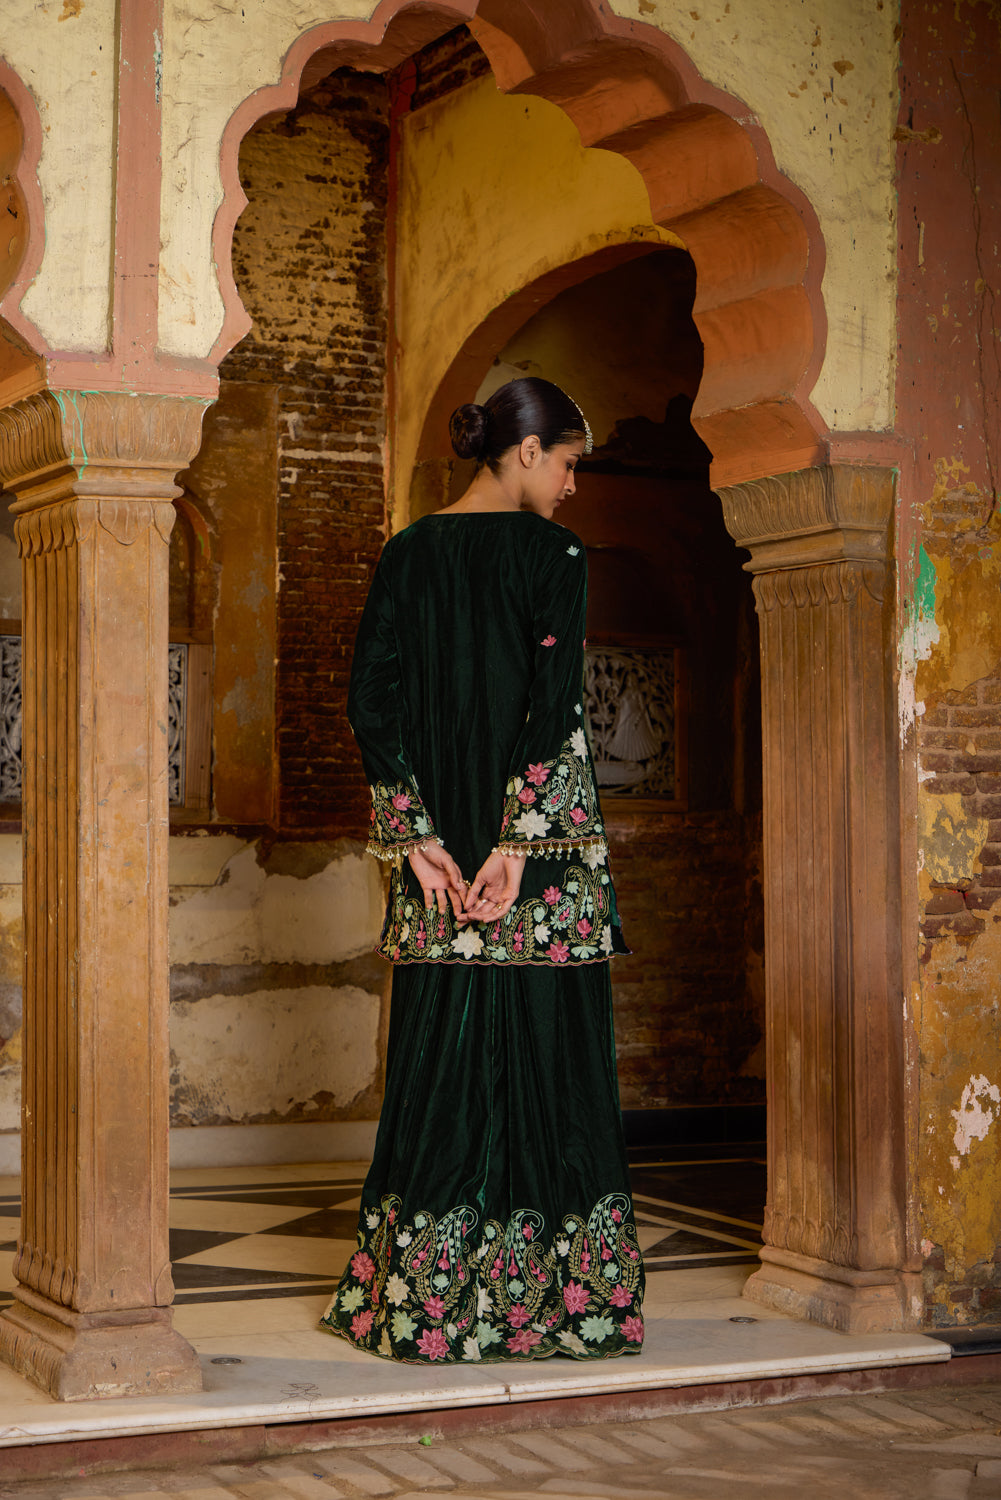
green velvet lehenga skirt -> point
(496, 1221)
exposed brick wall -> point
(688, 1014)
(445, 65)
(959, 743)
(309, 258)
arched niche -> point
(709, 175)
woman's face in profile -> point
(550, 480)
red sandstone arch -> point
(708, 170)
(22, 207)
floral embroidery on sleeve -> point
(555, 802)
(398, 822)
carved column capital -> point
(822, 515)
(57, 444)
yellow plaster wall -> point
(821, 81)
(474, 226)
(65, 53)
(957, 999)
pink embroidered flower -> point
(371, 816)
(524, 1340)
(558, 952)
(526, 1230)
(421, 937)
(575, 1297)
(585, 1260)
(433, 1343)
(620, 1297)
(526, 795)
(519, 1315)
(584, 927)
(362, 1266)
(519, 940)
(551, 895)
(401, 802)
(435, 1308)
(361, 1323)
(606, 1254)
(616, 1212)
(633, 1330)
(578, 815)
(550, 640)
(443, 1260)
(537, 774)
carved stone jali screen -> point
(634, 707)
(835, 1241)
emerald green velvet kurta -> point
(495, 1221)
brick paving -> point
(935, 1444)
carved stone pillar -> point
(93, 478)
(835, 1243)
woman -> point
(495, 1221)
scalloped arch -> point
(709, 173)
(20, 150)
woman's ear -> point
(529, 450)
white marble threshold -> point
(288, 1370)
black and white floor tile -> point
(239, 1234)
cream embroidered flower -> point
(403, 1239)
(571, 1341)
(532, 824)
(578, 743)
(593, 856)
(396, 1290)
(562, 1247)
(573, 551)
(468, 943)
(542, 933)
(470, 1348)
(578, 708)
(606, 938)
(484, 1302)
(372, 1219)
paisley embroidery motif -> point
(553, 802)
(452, 1291)
(568, 923)
(398, 822)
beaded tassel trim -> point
(548, 847)
(398, 852)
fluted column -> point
(835, 1242)
(93, 478)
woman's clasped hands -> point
(487, 898)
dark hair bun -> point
(467, 428)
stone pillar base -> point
(84, 1356)
(837, 1297)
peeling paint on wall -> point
(268, 1055)
(974, 1117)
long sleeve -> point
(551, 800)
(377, 714)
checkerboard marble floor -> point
(258, 1250)
(242, 1234)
